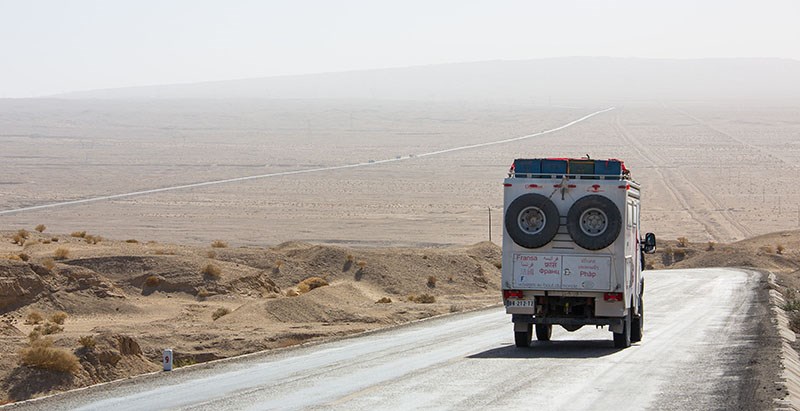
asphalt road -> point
(702, 335)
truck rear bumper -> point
(614, 323)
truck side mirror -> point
(649, 245)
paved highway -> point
(700, 335)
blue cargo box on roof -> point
(554, 166)
(523, 166)
(608, 167)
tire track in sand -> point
(717, 231)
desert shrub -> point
(219, 244)
(17, 239)
(220, 312)
(87, 341)
(683, 242)
(361, 264)
(34, 317)
(679, 254)
(454, 308)
(42, 354)
(46, 241)
(350, 258)
(184, 362)
(202, 292)
(61, 253)
(49, 264)
(431, 281)
(93, 239)
(794, 321)
(279, 264)
(40, 228)
(779, 249)
(78, 234)
(498, 265)
(310, 283)
(791, 304)
(212, 271)
(710, 246)
(767, 249)
(54, 239)
(152, 281)
(132, 241)
(384, 300)
(211, 254)
(23, 256)
(48, 328)
(292, 293)
(59, 317)
(425, 299)
(24, 234)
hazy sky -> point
(58, 46)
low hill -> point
(540, 81)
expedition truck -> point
(572, 251)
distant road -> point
(305, 171)
(701, 340)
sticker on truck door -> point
(586, 273)
(556, 272)
(542, 272)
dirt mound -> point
(20, 285)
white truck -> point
(572, 250)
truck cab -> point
(573, 254)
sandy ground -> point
(709, 171)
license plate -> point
(520, 303)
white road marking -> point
(311, 170)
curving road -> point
(704, 331)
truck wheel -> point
(594, 222)
(532, 220)
(522, 339)
(637, 328)
(623, 339)
(543, 332)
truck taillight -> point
(512, 294)
(612, 296)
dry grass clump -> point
(384, 300)
(78, 234)
(34, 317)
(431, 281)
(42, 354)
(292, 293)
(683, 242)
(17, 239)
(311, 283)
(767, 249)
(350, 258)
(202, 292)
(219, 244)
(792, 308)
(132, 241)
(48, 328)
(61, 253)
(212, 271)
(779, 249)
(87, 341)
(422, 299)
(24, 234)
(361, 264)
(13, 257)
(58, 317)
(23, 256)
(40, 228)
(152, 281)
(211, 254)
(49, 264)
(93, 239)
(220, 312)
(54, 239)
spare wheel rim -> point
(593, 222)
(532, 220)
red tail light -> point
(512, 294)
(612, 296)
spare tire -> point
(594, 222)
(532, 220)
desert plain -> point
(412, 233)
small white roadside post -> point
(167, 359)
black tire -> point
(532, 220)
(522, 339)
(637, 325)
(623, 339)
(594, 222)
(544, 332)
